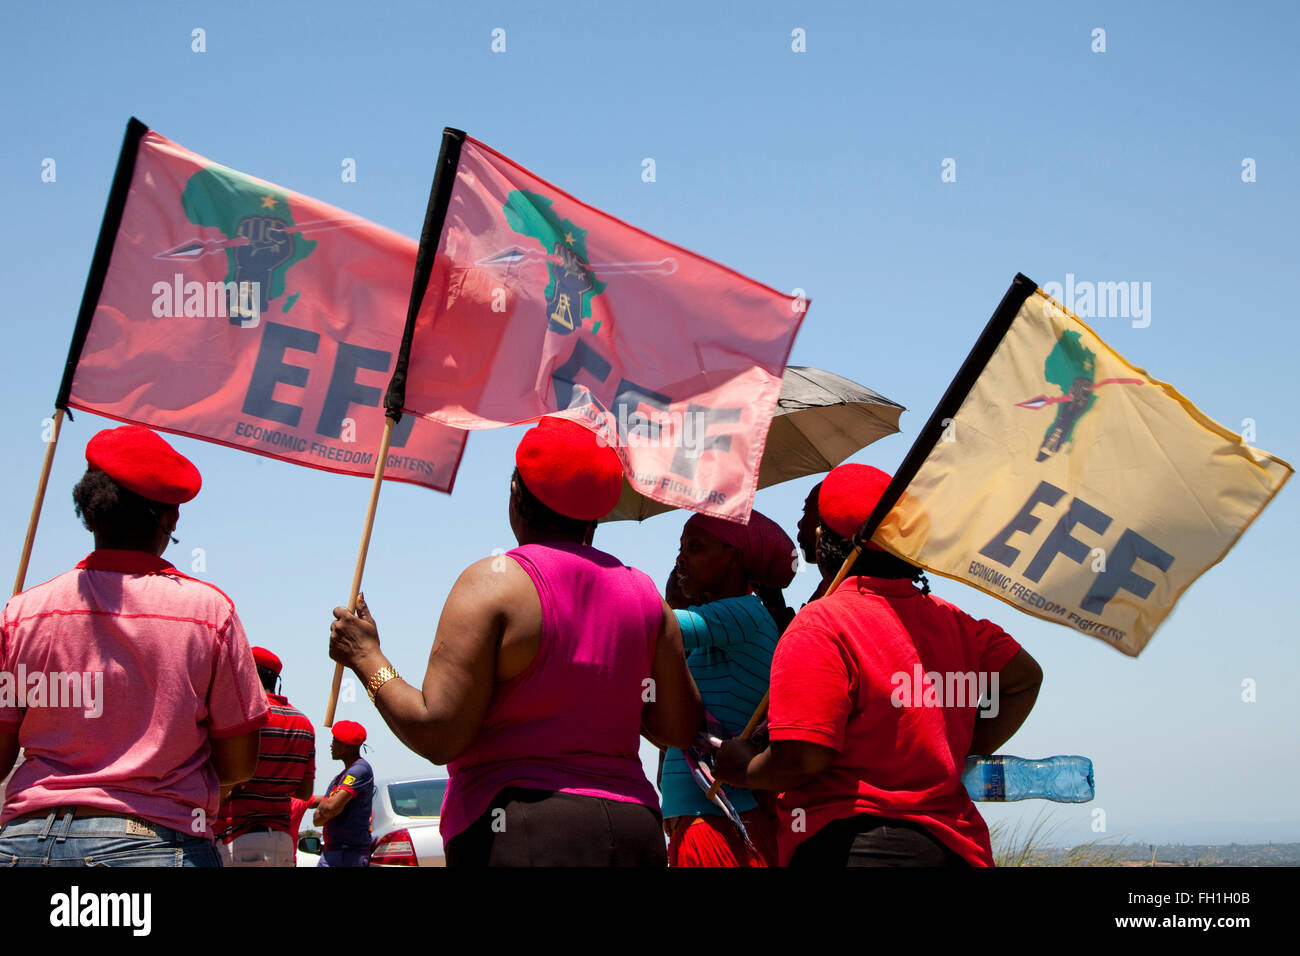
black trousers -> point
(541, 828)
(866, 840)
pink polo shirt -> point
(115, 675)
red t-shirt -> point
(286, 757)
(854, 672)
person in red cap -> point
(869, 776)
(255, 823)
(148, 697)
(547, 665)
(729, 633)
(344, 812)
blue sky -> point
(818, 170)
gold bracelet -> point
(378, 679)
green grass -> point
(1032, 845)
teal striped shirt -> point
(729, 646)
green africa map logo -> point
(1071, 367)
(572, 281)
(262, 241)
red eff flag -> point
(229, 309)
(538, 304)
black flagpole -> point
(444, 177)
(1022, 287)
(108, 227)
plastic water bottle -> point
(1002, 777)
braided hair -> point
(833, 550)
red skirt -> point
(711, 840)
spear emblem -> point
(196, 248)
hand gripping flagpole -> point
(361, 557)
(444, 177)
(1022, 287)
(108, 227)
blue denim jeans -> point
(61, 838)
(345, 856)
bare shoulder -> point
(496, 582)
(493, 573)
(493, 604)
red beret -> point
(848, 496)
(349, 732)
(140, 461)
(569, 470)
(264, 658)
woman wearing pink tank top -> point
(546, 669)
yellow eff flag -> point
(1070, 484)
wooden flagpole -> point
(444, 177)
(40, 500)
(361, 558)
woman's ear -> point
(737, 559)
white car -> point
(404, 822)
(309, 850)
